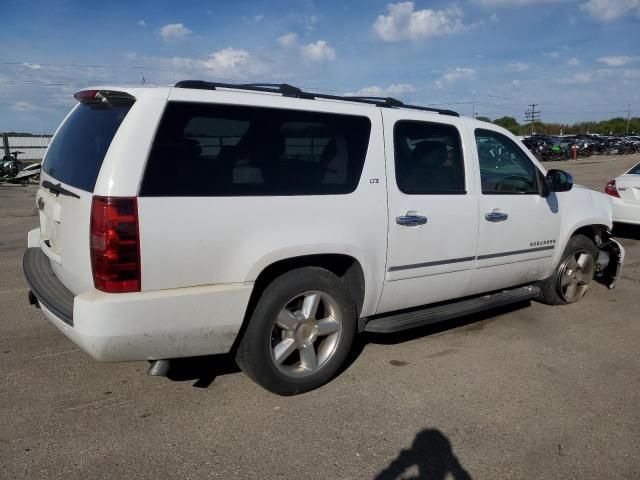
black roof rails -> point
(287, 90)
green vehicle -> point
(10, 170)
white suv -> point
(275, 224)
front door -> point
(433, 211)
(518, 228)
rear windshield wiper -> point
(58, 189)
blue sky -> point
(579, 60)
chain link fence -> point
(31, 146)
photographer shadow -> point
(431, 453)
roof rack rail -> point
(287, 90)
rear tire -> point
(573, 275)
(299, 333)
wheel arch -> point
(344, 266)
(593, 230)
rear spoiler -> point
(104, 98)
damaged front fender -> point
(610, 259)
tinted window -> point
(635, 170)
(222, 150)
(428, 158)
(504, 167)
(78, 149)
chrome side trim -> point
(515, 252)
(468, 259)
(430, 264)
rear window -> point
(78, 149)
(223, 150)
(635, 170)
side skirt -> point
(397, 322)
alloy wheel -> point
(575, 275)
(306, 333)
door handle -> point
(411, 220)
(496, 216)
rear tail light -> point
(115, 244)
(610, 189)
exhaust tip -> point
(159, 368)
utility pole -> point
(532, 115)
(628, 116)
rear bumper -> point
(153, 325)
(47, 288)
(624, 212)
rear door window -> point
(225, 150)
(428, 158)
(78, 148)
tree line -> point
(613, 126)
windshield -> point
(78, 149)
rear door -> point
(69, 173)
(628, 185)
(433, 211)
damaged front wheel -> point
(574, 274)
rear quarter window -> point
(227, 150)
(78, 148)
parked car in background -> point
(624, 192)
(276, 224)
(551, 148)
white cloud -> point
(314, 52)
(515, 83)
(258, 18)
(318, 52)
(493, 18)
(131, 55)
(24, 107)
(174, 31)
(142, 23)
(577, 79)
(607, 10)
(459, 73)
(573, 62)
(390, 91)
(227, 64)
(518, 67)
(288, 39)
(405, 23)
(227, 60)
(512, 3)
(308, 22)
(617, 60)
(551, 54)
(32, 66)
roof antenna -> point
(142, 80)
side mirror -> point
(558, 181)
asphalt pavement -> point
(530, 391)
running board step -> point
(433, 314)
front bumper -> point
(153, 325)
(610, 260)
